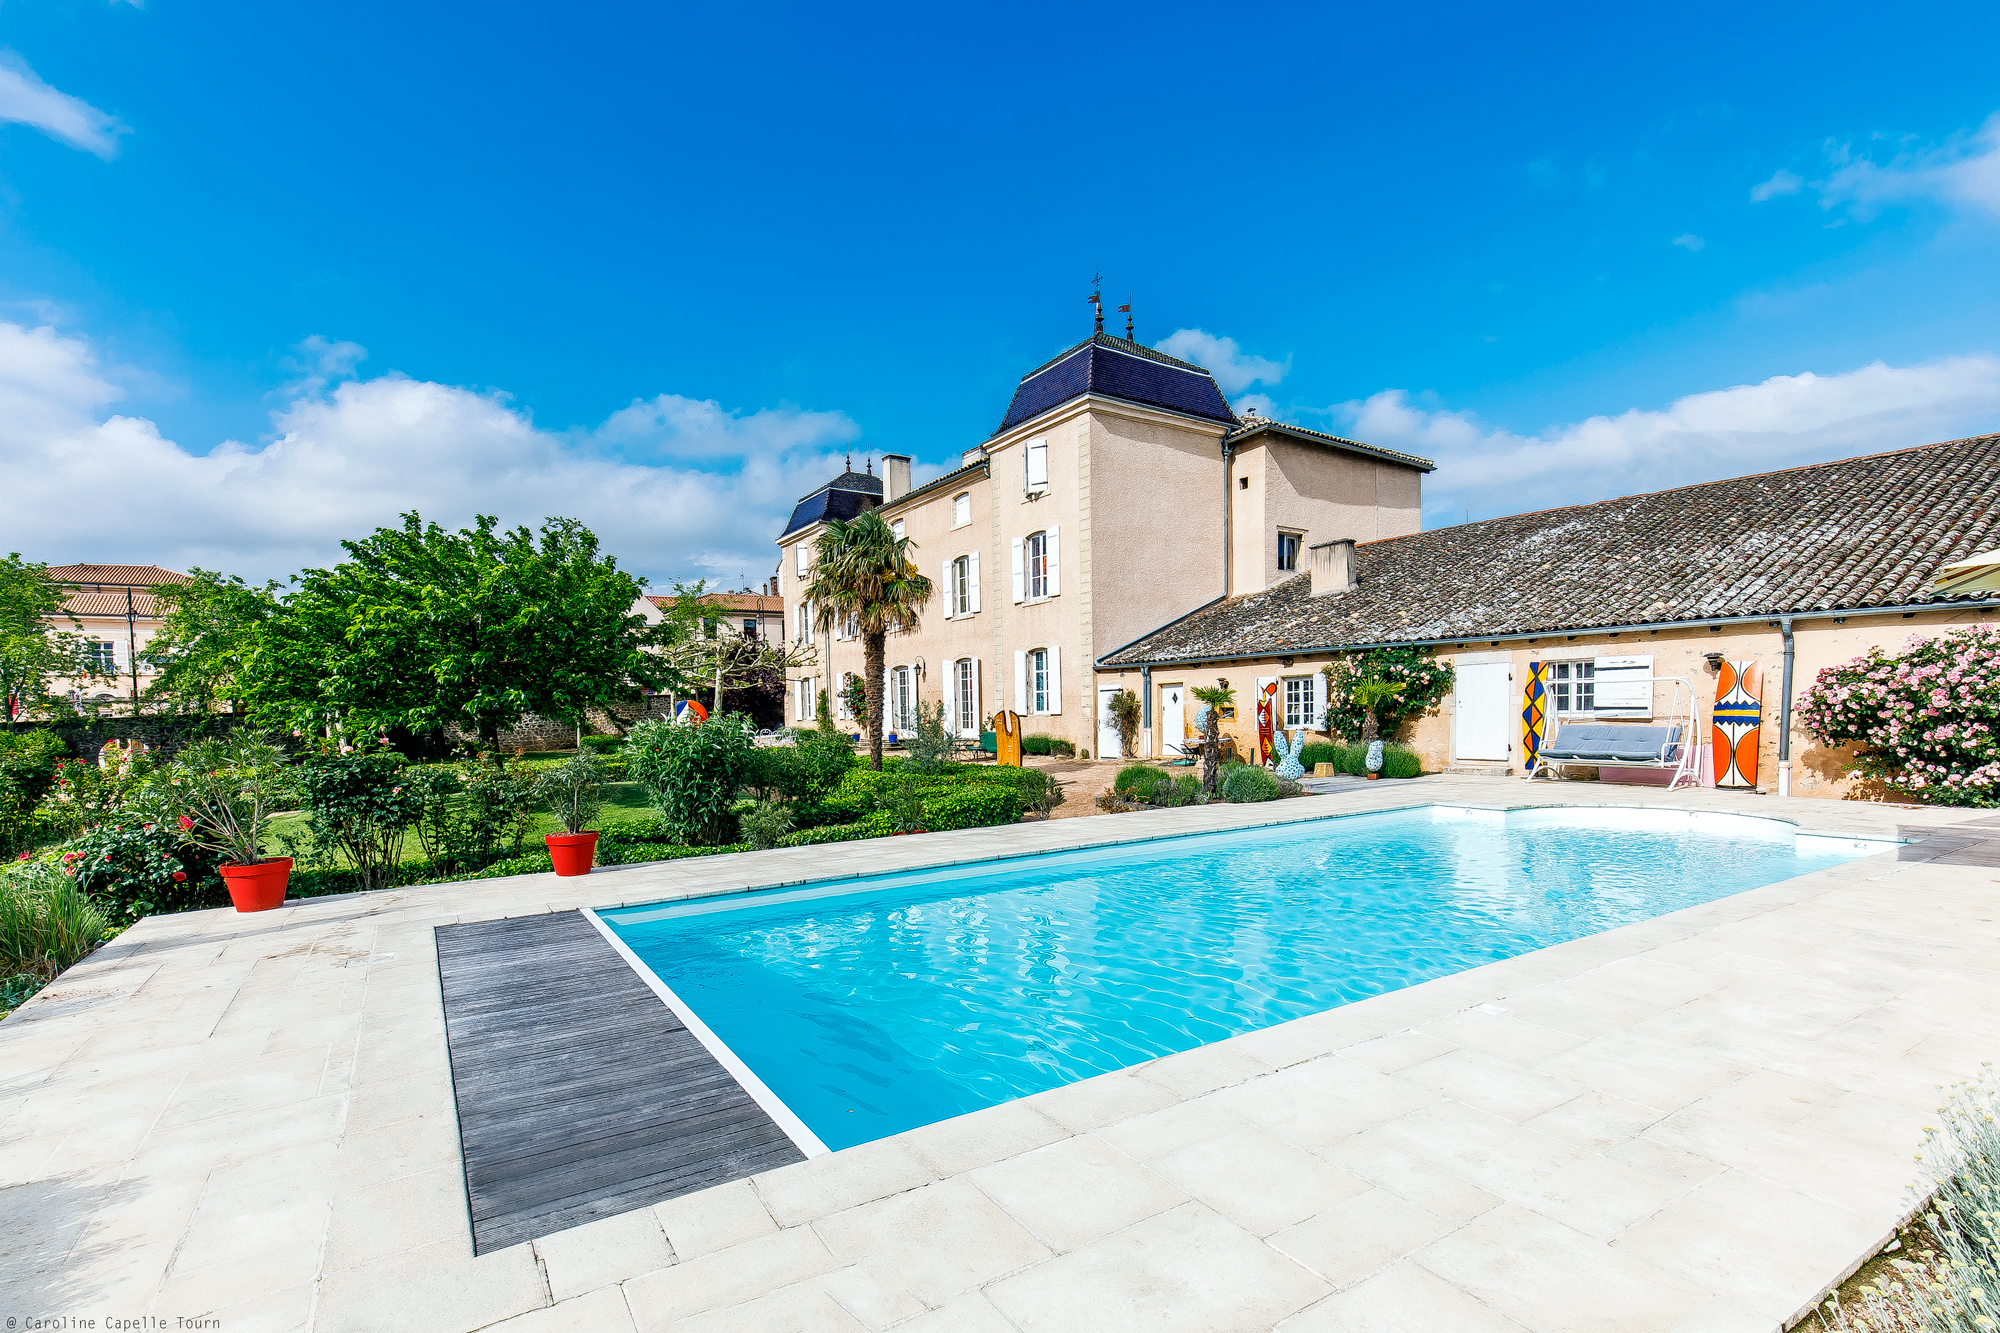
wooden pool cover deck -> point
(580, 1094)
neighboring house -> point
(1119, 492)
(753, 615)
(1797, 570)
(116, 607)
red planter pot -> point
(259, 887)
(572, 853)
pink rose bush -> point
(1925, 722)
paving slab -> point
(1693, 1123)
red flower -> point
(186, 823)
(180, 874)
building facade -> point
(1119, 493)
(1796, 571)
(119, 614)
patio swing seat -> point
(1586, 742)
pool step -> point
(1480, 771)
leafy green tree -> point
(34, 650)
(209, 628)
(423, 629)
(863, 576)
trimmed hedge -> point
(1047, 745)
(973, 806)
(875, 826)
(1398, 761)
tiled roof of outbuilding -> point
(1858, 533)
(1117, 368)
(843, 497)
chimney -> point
(1332, 566)
(895, 477)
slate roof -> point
(1858, 533)
(1117, 368)
(843, 497)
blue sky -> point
(270, 274)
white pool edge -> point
(795, 1129)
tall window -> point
(1302, 702)
(961, 510)
(805, 622)
(903, 699)
(799, 559)
(1038, 565)
(750, 629)
(967, 719)
(1038, 465)
(1038, 680)
(1288, 550)
(961, 586)
(850, 626)
(102, 657)
(1574, 685)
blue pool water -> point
(876, 1005)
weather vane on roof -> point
(1097, 298)
(1126, 310)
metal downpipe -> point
(1785, 713)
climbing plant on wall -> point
(1425, 681)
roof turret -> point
(1117, 368)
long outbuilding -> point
(1795, 570)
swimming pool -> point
(871, 1006)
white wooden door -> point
(1173, 718)
(1481, 714)
(1108, 745)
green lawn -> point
(622, 800)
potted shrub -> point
(574, 792)
(221, 793)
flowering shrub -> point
(137, 869)
(1425, 681)
(1923, 720)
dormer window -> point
(1288, 551)
(961, 510)
(1038, 465)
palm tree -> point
(1218, 697)
(862, 575)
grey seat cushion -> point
(1610, 743)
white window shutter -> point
(1055, 561)
(972, 580)
(950, 593)
(1020, 680)
(978, 714)
(951, 695)
(1055, 664)
(1020, 572)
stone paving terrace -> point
(1695, 1123)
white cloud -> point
(1784, 421)
(1688, 241)
(1964, 171)
(26, 100)
(1222, 358)
(350, 457)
